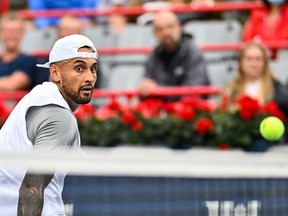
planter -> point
(181, 146)
(258, 145)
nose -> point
(166, 32)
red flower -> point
(198, 103)
(104, 113)
(190, 101)
(84, 111)
(223, 146)
(113, 104)
(128, 117)
(223, 106)
(184, 112)
(149, 108)
(249, 107)
(204, 125)
(272, 109)
(137, 126)
(169, 107)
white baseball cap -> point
(67, 48)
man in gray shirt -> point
(175, 61)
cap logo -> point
(84, 42)
(87, 55)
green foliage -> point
(231, 129)
(102, 133)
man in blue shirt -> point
(43, 22)
(17, 71)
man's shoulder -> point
(51, 113)
(153, 55)
(23, 62)
(50, 127)
(21, 59)
(27, 58)
(190, 44)
(189, 48)
(44, 94)
(53, 110)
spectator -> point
(255, 78)
(17, 70)
(116, 21)
(63, 4)
(268, 23)
(68, 25)
(175, 61)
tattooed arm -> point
(47, 130)
(31, 194)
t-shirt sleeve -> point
(51, 127)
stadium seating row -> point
(221, 66)
(203, 32)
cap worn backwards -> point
(67, 48)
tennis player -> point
(43, 121)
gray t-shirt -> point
(51, 127)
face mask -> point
(276, 1)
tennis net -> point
(126, 181)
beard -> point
(170, 43)
(76, 95)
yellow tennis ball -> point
(272, 128)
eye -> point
(79, 68)
(94, 69)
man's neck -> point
(10, 55)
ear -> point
(55, 73)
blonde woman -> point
(255, 78)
